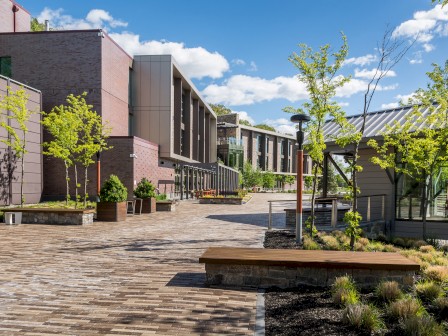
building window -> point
(282, 148)
(5, 66)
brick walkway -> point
(139, 277)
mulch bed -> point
(304, 310)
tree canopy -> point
(37, 26)
(220, 109)
(265, 127)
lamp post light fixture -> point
(300, 119)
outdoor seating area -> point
(257, 267)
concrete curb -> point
(260, 315)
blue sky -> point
(236, 52)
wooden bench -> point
(258, 267)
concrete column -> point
(188, 123)
(201, 135)
(207, 139)
(181, 189)
(177, 127)
(195, 130)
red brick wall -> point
(23, 18)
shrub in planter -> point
(112, 205)
(146, 191)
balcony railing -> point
(230, 141)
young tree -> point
(290, 179)
(418, 147)
(37, 26)
(245, 122)
(390, 52)
(268, 180)
(63, 126)
(251, 177)
(92, 135)
(16, 103)
(321, 80)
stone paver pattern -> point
(139, 277)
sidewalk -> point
(139, 277)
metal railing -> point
(368, 206)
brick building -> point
(14, 18)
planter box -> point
(220, 200)
(149, 205)
(166, 206)
(111, 211)
(55, 216)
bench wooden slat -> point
(308, 258)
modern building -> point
(14, 18)
(158, 120)
(266, 150)
(10, 172)
(396, 198)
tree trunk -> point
(76, 187)
(313, 198)
(426, 194)
(85, 187)
(22, 199)
(67, 179)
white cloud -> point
(238, 61)
(362, 60)
(343, 104)
(358, 85)
(253, 66)
(96, 18)
(197, 62)
(405, 98)
(245, 116)
(246, 90)
(281, 125)
(424, 26)
(416, 61)
(368, 74)
(389, 106)
(428, 47)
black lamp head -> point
(299, 118)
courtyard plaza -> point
(138, 277)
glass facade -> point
(6, 66)
(409, 196)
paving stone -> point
(138, 277)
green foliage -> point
(423, 325)
(265, 127)
(388, 291)
(405, 308)
(113, 190)
(364, 317)
(16, 102)
(220, 109)
(311, 228)
(428, 290)
(308, 182)
(36, 26)
(442, 2)
(352, 219)
(268, 180)
(344, 291)
(318, 71)
(310, 244)
(251, 177)
(161, 197)
(333, 179)
(420, 152)
(245, 122)
(145, 189)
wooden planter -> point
(149, 205)
(111, 211)
(166, 206)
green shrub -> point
(388, 291)
(145, 189)
(382, 238)
(428, 290)
(113, 190)
(423, 325)
(364, 241)
(437, 273)
(399, 242)
(364, 317)
(405, 308)
(389, 248)
(330, 243)
(418, 243)
(310, 244)
(344, 291)
(161, 197)
(427, 249)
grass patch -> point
(388, 291)
(405, 308)
(364, 317)
(423, 325)
(437, 273)
(429, 290)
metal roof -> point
(375, 122)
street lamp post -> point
(300, 119)
(98, 174)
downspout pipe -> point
(15, 9)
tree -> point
(442, 2)
(245, 122)
(418, 148)
(321, 80)
(265, 127)
(16, 103)
(251, 177)
(63, 126)
(268, 180)
(92, 135)
(36, 26)
(390, 52)
(220, 109)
